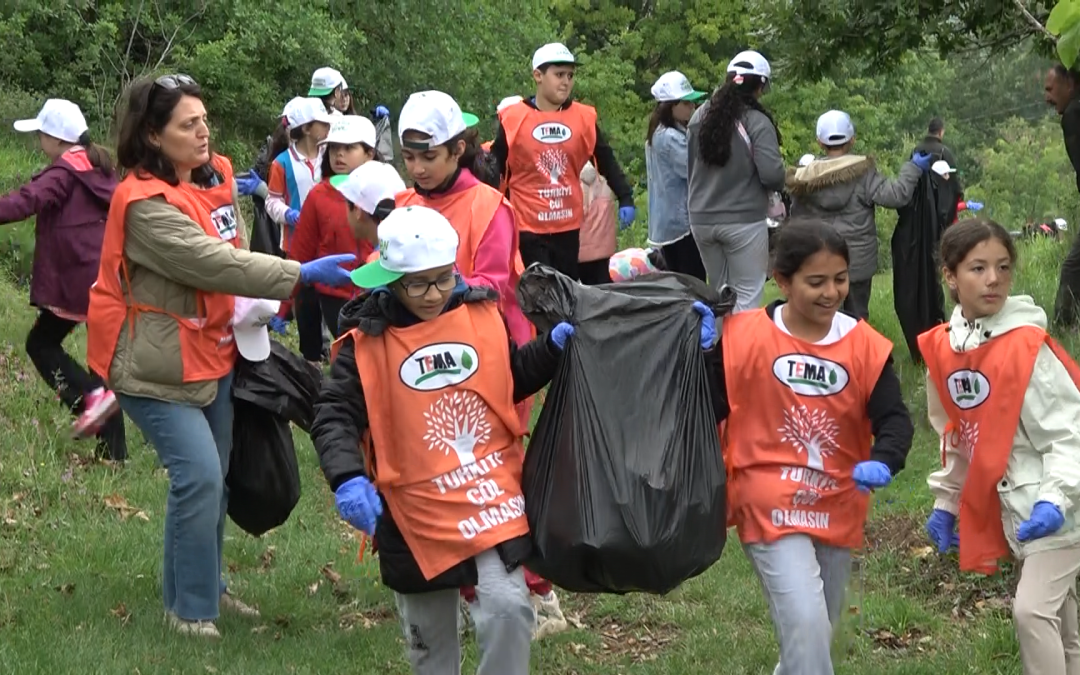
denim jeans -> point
(193, 444)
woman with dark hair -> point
(665, 164)
(734, 165)
(160, 327)
(70, 198)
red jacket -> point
(324, 230)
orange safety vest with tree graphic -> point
(797, 428)
(444, 444)
(207, 350)
(546, 151)
(982, 391)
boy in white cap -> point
(369, 195)
(428, 375)
(540, 148)
(843, 189)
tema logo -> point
(551, 133)
(439, 366)
(968, 388)
(810, 376)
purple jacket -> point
(71, 201)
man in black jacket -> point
(933, 145)
(1062, 88)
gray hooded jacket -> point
(843, 192)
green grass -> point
(79, 582)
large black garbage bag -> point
(917, 294)
(624, 483)
(264, 478)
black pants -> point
(683, 257)
(1068, 294)
(309, 321)
(554, 250)
(331, 309)
(595, 272)
(45, 347)
(858, 299)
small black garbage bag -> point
(624, 483)
(264, 478)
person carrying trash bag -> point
(815, 420)
(425, 381)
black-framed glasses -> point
(175, 81)
(418, 289)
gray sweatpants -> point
(805, 583)
(502, 614)
(736, 256)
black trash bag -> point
(624, 483)
(264, 478)
(917, 294)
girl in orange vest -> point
(1004, 397)
(425, 381)
(800, 467)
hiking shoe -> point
(549, 616)
(204, 629)
(100, 405)
(231, 603)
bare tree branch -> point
(1033, 21)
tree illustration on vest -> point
(553, 164)
(813, 432)
(458, 421)
(969, 436)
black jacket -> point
(890, 421)
(932, 145)
(341, 418)
(606, 164)
(1070, 127)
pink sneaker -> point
(100, 406)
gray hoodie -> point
(738, 192)
(843, 192)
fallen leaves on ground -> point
(638, 642)
(365, 618)
(885, 639)
(126, 511)
(267, 558)
(66, 589)
(121, 612)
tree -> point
(458, 422)
(811, 432)
(552, 163)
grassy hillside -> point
(80, 548)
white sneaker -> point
(233, 604)
(205, 629)
(99, 406)
(549, 616)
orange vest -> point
(797, 428)
(206, 343)
(453, 483)
(982, 390)
(547, 151)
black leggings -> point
(309, 320)
(559, 251)
(331, 308)
(683, 257)
(45, 347)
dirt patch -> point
(936, 579)
(636, 642)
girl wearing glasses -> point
(439, 483)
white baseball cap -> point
(350, 129)
(306, 110)
(325, 80)
(369, 184)
(250, 319)
(436, 114)
(290, 105)
(750, 63)
(507, 102)
(58, 118)
(806, 159)
(835, 128)
(553, 52)
(674, 86)
(941, 168)
(411, 239)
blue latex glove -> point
(922, 160)
(560, 334)
(359, 504)
(248, 185)
(277, 324)
(327, 270)
(626, 216)
(941, 527)
(381, 111)
(1045, 520)
(974, 206)
(292, 216)
(870, 475)
(708, 325)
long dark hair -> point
(328, 102)
(98, 156)
(327, 168)
(148, 109)
(279, 140)
(661, 114)
(727, 106)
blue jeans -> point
(193, 444)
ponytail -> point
(279, 140)
(471, 157)
(99, 157)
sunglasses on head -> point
(175, 81)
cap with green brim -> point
(324, 81)
(374, 275)
(471, 120)
(411, 239)
(674, 86)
